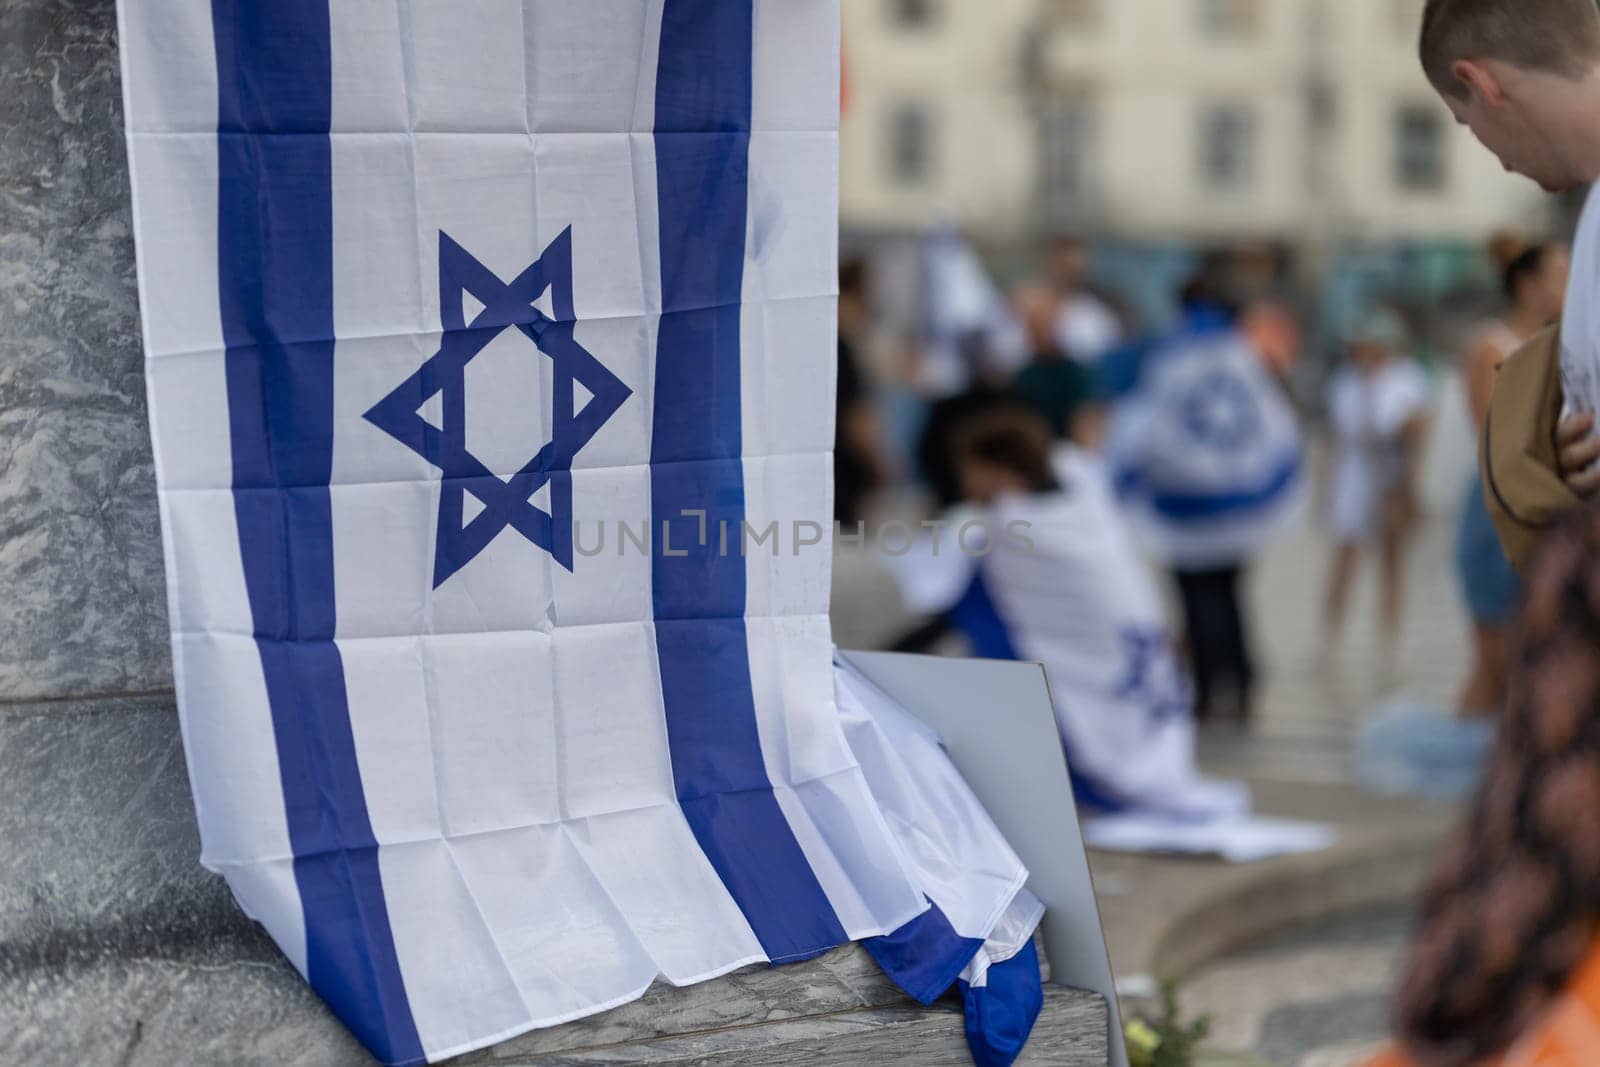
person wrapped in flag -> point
(1038, 564)
(1206, 454)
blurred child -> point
(1504, 970)
(1057, 580)
(1038, 565)
(1378, 407)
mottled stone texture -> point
(80, 549)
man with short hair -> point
(1479, 990)
(1524, 76)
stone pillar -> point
(84, 608)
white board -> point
(998, 724)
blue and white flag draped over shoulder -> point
(1057, 580)
(1206, 452)
(1053, 577)
(476, 334)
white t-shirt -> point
(1580, 321)
(1368, 412)
(1085, 328)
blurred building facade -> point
(1305, 122)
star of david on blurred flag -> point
(507, 501)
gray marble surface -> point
(80, 549)
(117, 947)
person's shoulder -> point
(1490, 339)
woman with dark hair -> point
(1505, 969)
(1535, 283)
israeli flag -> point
(478, 335)
(1207, 453)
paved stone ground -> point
(1314, 998)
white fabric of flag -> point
(478, 334)
(978, 910)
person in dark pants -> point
(1215, 629)
(1219, 650)
(1207, 454)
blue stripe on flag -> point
(702, 140)
(925, 956)
(275, 273)
(1181, 506)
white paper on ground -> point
(1237, 838)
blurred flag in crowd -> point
(1206, 450)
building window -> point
(1419, 146)
(1066, 151)
(911, 144)
(1078, 16)
(914, 14)
(1227, 147)
(1224, 19)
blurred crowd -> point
(1194, 424)
(1134, 453)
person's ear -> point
(1479, 81)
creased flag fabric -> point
(980, 920)
(478, 335)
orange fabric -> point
(1389, 1058)
(1568, 1035)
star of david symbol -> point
(1220, 411)
(507, 502)
(1151, 677)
